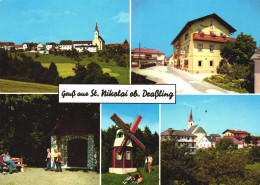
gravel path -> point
(37, 176)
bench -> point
(19, 163)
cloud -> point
(69, 12)
(207, 101)
(122, 17)
(188, 104)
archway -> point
(78, 153)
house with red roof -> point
(233, 139)
(143, 55)
(197, 46)
(6, 45)
(238, 134)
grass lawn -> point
(149, 178)
(65, 64)
(17, 86)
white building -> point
(208, 141)
(40, 46)
(66, 45)
(181, 137)
(50, 45)
(87, 45)
(6, 45)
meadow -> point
(18, 86)
(149, 178)
(65, 65)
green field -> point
(65, 64)
(17, 86)
(149, 178)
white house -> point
(24, 45)
(66, 45)
(208, 141)
(50, 45)
(181, 137)
(87, 45)
(6, 45)
(40, 46)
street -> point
(186, 83)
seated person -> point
(136, 177)
(140, 180)
(2, 164)
(8, 160)
(128, 179)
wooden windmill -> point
(122, 154)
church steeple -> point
(190, 122)
(96, 29)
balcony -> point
(211, 38)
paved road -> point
(186, 83)
(37, 176)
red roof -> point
(18, 46)
(190, 116)
(153, 51)
(234, 140)
(236, 131)
(197, 36)
(82, 42)
(6, 44)
(72, 124)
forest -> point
(224, 164)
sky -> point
(215, 113)
(55, 20)
(128, 113)
(155, 23)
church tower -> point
(190, 122)
(96, 32)
(98, 40)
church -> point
(92, 46)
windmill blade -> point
(137, 141)
(135, 123)
(120, 123)
(119, 150)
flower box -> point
(201, 33)
(213, 34)
(224, 36)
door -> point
(78, 153)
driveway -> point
(38, 176)
(186, 83)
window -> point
(186, 63)
(128, 155)
(211, 48)
(200, 63)
(199, 30)
(211, 63)
(221, 34)
(118, 156)
(199, 47)
(186, 36)
(211, 32)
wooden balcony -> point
(211, 38)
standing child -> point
(58, 163)
(55, 157)
(48, 160)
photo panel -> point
(210, 139)
(63, 42)
(130, 143)
(204, 47)
(45, 142)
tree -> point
(248, 139)
(53, 72)
(238, 54)
(225, 144)
(176, 164)
(125, 42)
